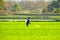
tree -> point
(56, 6)
(54, 0)
(1, 3)
(58, 0)
(17, 7)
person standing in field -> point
(28, 21)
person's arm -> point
(26, 21)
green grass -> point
(35, 31)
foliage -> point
(17, 7)
(56, 10)
(1, 3)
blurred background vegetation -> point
(11, 7)
(34, 9)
